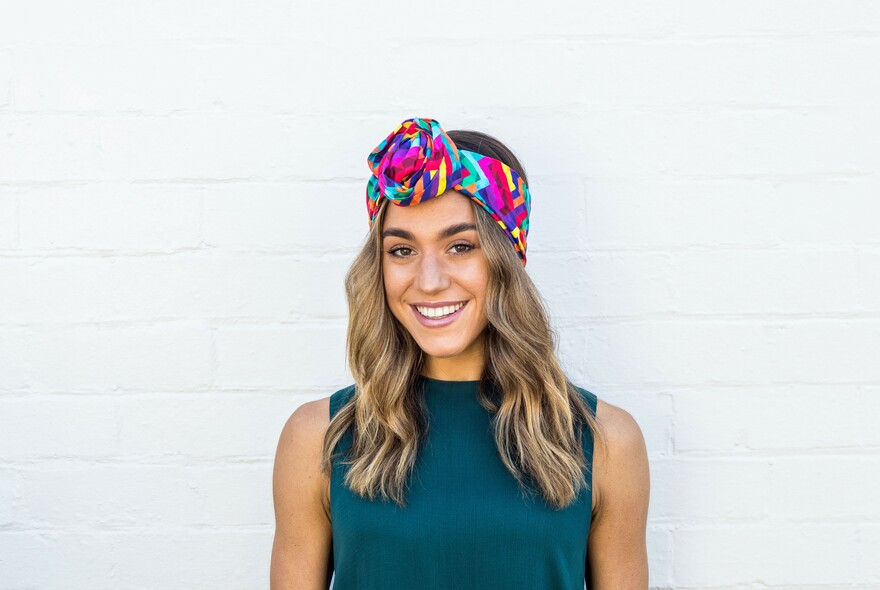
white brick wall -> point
(705, 230)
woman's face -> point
(433, 265)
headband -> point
(418, 161)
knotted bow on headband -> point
(418, 161)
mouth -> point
(437, 317)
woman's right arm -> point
(301, 549)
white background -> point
(182, 190)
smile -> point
(439, 312)
(436, 317)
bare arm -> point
(301, 549)
(616, 551)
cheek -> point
(393, 285)
(477, 281)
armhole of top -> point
(337, 400)
(591, 398)
(592, 403)
(340, 398)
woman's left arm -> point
(617, 551)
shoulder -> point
(621, 458)
(617, 549)
(299, 454)
(306, 426)
(303, 530)
(303, 433)
(297, 478)
(621, 429)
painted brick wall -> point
(181, 191)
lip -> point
(438, 323)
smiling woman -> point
(462, 456)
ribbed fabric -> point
(466, 524)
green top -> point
(466, 524)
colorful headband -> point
(418, 161)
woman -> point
(461, 457)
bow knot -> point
(418, 161)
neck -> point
(467, 366)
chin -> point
(444, 347)
(442, 353)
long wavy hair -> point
(537, 414)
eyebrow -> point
(449, 231)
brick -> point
(105, 22)
(179, 75)
(49, 148)
(193, 77)
(710, 490)
(796, 554)
(204, 426)
(10, 494)
(116, 496)
(716, 72)
(728, 212)
(743, 351)
(869, 280)
(185, 286)
(580, 285)
(825, 488)
(286, 216)
(101, 21)
(664, 72)
(660, 556)
(868, 542)
(198, 76)
(132, 558)
(82, 427)
(763, 282)
(292, 356)
(145, 218)
(102, 288)
(696, 143)
(14, 359)
(771, 418)
(102, 358)
(8, 219)
(198, 146)
(713, 282)
(752, 18)
(5, 78)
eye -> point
(465, 248)
(394, 251)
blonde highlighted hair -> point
(538, 416)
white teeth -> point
(439, 312)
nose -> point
(433, 275)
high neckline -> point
(448, 385)
(445, 380)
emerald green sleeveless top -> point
(467, 524)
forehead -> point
(440, 211)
